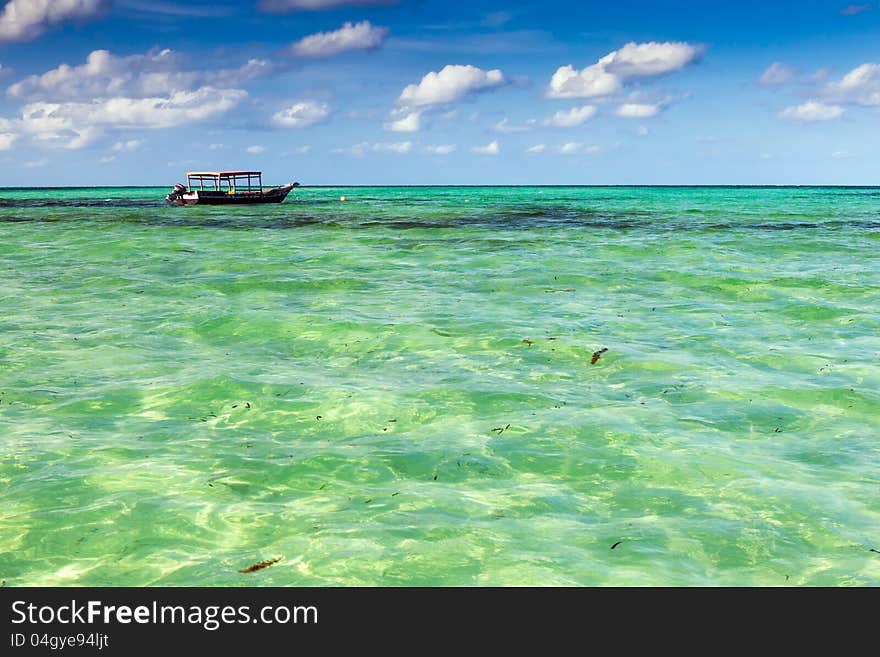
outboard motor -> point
(176, 193)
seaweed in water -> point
(597, 355)
(260, 565)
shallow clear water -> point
(398, 390)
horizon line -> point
(497, 185)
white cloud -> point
(637, 60)
(316, 5)
(608, 76)
(496, 19)
(6, 140)
(840, 154)
(504, 126)
(357, 36)
(27, 19)
(215, 147)
(398, 147)
(571, 118)
(860, 86)
(256, 149)
(811, 111)
(359, 150)
(537, 148)
(443, 149)
(591, 82)
(171, 8)
(107, 159)
(36, 164)
(489, 149)
(105, 75)
(821, 74)
(642, 131)
(74, 125)
(409, 122)
(573, 147)
(776, 74)
(301, 114)
(128, 146)
(453, 82)
(637, 110)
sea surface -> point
(406, 387)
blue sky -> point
(124, 92)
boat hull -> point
(210, 197)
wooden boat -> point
(226, 188)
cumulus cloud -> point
(571, 118)
(357, 36)
(811, 111)
(860, 86)
(105, 75)
(398, 147)
(537, 148)
(359, 150)
(489, 149)
(301, 114)
(6, 140)
(128, 146)
(591, 82)
(299, 150)
(315, 5)
(631, 62)
(453, 82)
(443, 149)
(637, 110)
(572, 148)
(76, 124)
(256, 149)
(505, 127)
(408, 122)
(22, 20)
(776, 74)
(638, 60)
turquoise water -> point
(397, 389)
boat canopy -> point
(225, 179)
